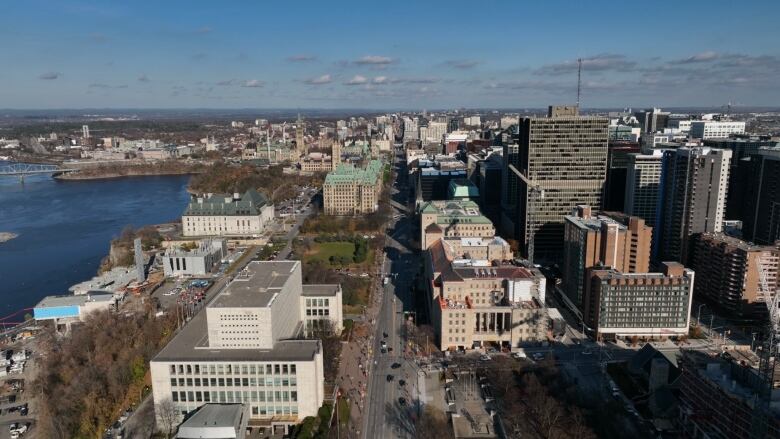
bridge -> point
(23, 169)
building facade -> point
(563, 162)
(653, 305)
(730, 273)
(454, 218)
(761, 208)
(694, 184)
(243, 348)
(349, 190)
(715, 129)
(195, 262)
(617, 169)
(643, 180)
(224, 215)
(599, 240)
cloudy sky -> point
(402, 54)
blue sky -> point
(403, 54)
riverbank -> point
(7, 236)
(111, 171)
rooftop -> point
(222, 204)
(347, 172)
(213, 421)
(738, 243)
(256, 285)
(320, 290)
(192, 344)
(74, 300)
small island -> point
(7, 236)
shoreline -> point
(77, 176)
(7, 236)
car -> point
(519, 355)
(401, 382)
(402, 401)
(383, 350)
(383, 344)
(586, 352)
(484, 357)
(390, 378)
(395, 365)
(384, 334)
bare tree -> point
(167, 416)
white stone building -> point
(225, 215)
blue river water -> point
(65, 228)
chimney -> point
(236, 196)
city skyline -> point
(355, 55)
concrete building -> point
(561, 162)
(477, 303)
(741, 145)
(761, 205)
(715, 129)
(717, 399)
(223, 421)
(70, 309)
(729, 273)
(590, 240)
(653, 305)
(643, 181)
(349, 190)
(462, 189)
(459, 219)
(242, 348)
(321, 309)
(225, 215)
(195, 262)
(694, 183)
(652, 120)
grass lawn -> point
(343, 412)
(324, 250)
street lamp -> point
(698, 316)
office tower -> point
(639, 304)
(643, 179)
(85, 131)
(617, 164)
(694, 182)
(741, 145)
(335, 155)
(652, 120)
(411, 131)
(730, 273)
(561, 162)
(619, 242)
(761, 211)
(436, 131)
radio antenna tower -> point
(579, 80)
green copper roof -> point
(349, 173)
(221, 204)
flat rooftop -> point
(320, 290)
(213, 421)
(256, 285)
(74, 300)
(192, 344)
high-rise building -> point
(436, 131)
(619, 242)
(561, 162)
(694, 182)
(639, 304)
(617, 168)
(730, 273)
(411, 131)
(741, 145)
(643, 180)
(85, 131)
(652, 120)
(300, 144)
(761, 208)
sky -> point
(387, 55)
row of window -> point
(222, 369)
(230, 382)
(235, 396)
(317, 302)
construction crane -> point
(770, 348)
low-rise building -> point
(730, 273)
(349, 190)
(453, 218)
(194, 262)
(321, 308)
(68, 309)
(653, 305)
(245, 347)
(225, 215)
(223, 421)
(715, 129)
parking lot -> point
(16, 407)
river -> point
(64, 228)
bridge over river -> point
(23, 169)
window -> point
(175, 396)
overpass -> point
(23, 169)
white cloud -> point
(357, 80)
(48, 76)
(253, 83)
(375, 60)
(324, 79)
